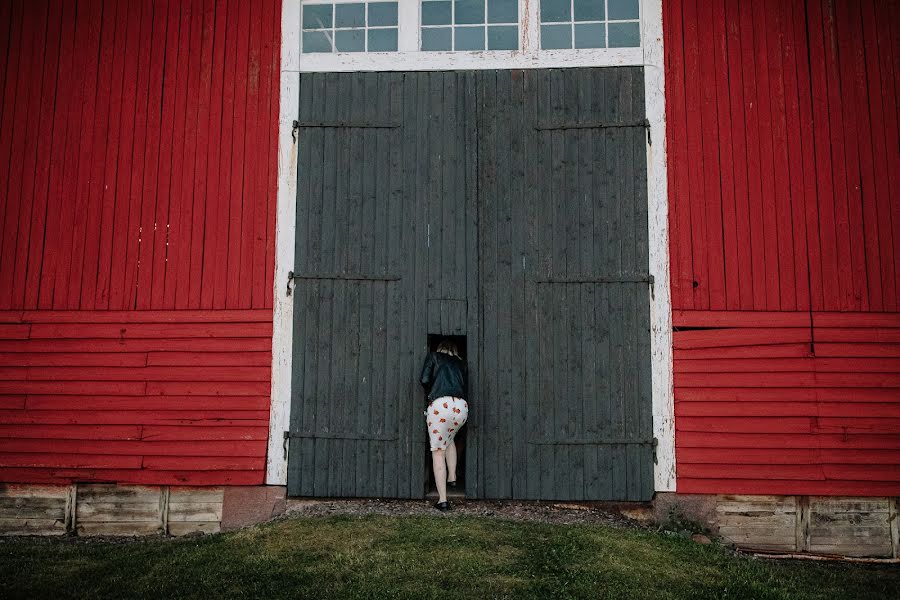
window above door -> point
(345, 35)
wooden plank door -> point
(565, 405)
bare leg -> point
(451, 461)
(440, 474)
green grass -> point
(422, 557)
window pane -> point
(503, 11)
(317, 16)
(469, 38)
(590, 35)
(588, 10)
(555, 11)
(503, 38)
(470, 11)
(436, 13)
(437, 39)
(556, 36)
(350, 15)
(622, 9)
(316, 41)
(353, 40)
(382, 13)
(624, 35)
(383, 40)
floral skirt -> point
(445, 416)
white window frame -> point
(649, 55)
(408, 57)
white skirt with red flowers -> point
(445, 416)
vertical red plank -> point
(101, 147)
(891, 71)
(711, 145)
(695, 152)
(183, 245)
(202, 178)
(243, 164)
(126, 174)
(29, 157)
(12, 139)
(672, 48)
(212, 281)
(150, 227)
(6, 26)
(108, 205)
(42, 167)
(272, 62)
(168, 148)
(82, 227)
(754, 178)
(256, 192)
(768, 198)
(794, 156)
(174, 251)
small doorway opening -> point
(434, 340)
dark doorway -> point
(434, 340)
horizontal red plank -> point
(717, 338)
(857, 335)
(795, 456)
(175, 433)
(255, 448)
(705, 439)
(226, 344)
(149, 330)
(56, 459)
(137, 316)
(14, 332)
(760, 394)
(729, 318)
(207, 359)
(687, 485)
(184, 373)
(857, 319)
(211, 388)
(175, 403)
(13, 373)
(74, 359)
(83, 388)
(199, 418)
(12, 401)
(782, 424)
(876, 472)
(792, 379)
(205, 463)
(139, 476)
(51, 433)
(787, 409)
(800, 350)
(857, 349)
(764, 365)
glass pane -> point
(382, 13)
(470, 11)
(317, 16)
(383, 40)
(556, 36)
(588, 10)
(555, 11)
(316, 41)
(350, 15)
(624, 35)
(503, 11)
(436, 13)
(503, 38)
(590, 35)
(469, 38)
(437, 39)
(353, 40)
(622, 9)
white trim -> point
(650, 55)
(658, 217)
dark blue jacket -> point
(443, 375)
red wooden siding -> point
(783, 176)
(137, 152)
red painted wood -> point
(788, 408)
(792, 456)
(826, 488)
(125, 403)
(138, 447)
(193, 418)
(823, 394)
(134, 476)
(76, 461)
(221, 344)
(148, 330)
(205, 463)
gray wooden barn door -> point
(565, 410)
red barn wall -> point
(783, 170)
(137, 146)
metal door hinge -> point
(284, 444)
(295, 127)
(655, 444)
(290, 279)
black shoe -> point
(442, 506)
(451, 484)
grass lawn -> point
(421, 557)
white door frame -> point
(650, 56)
